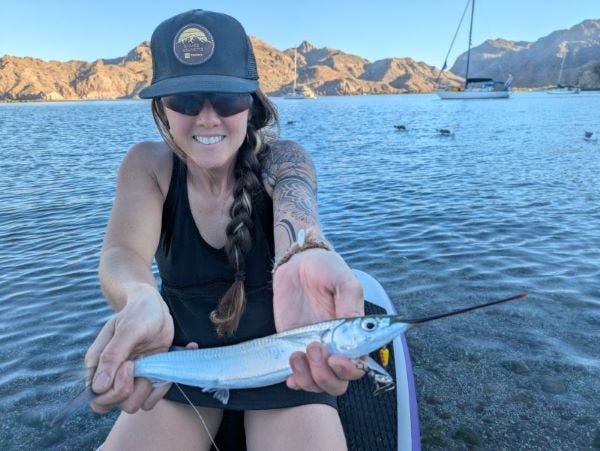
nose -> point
(207, 116)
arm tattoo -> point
(290, 174)
(289, 228)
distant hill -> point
(537, 64)
(33, 79)
(324, 71)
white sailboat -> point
(563, 89)
(474, 88)
(296, 94)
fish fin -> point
(222, 394)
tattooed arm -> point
(314, 285)
(290, 178)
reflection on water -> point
(508, 203)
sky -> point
(420, 29)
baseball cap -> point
(201, 51)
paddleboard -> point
(390, 420)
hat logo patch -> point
(193, 45)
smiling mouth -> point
(208, 139)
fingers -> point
(313, 372)
(345, 368)
(156, 395)
(121, 389)
(115, 345)
(142, 389)
(92, 355)
(349, 298)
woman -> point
(216, 204)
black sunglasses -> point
(225, 104)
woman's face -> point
(208, 140)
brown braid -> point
(226, 316)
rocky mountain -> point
(34, 79)
(323, 71)
(537, 64)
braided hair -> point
(247, 173)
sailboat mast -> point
(562, 63)
(469, 49)
(295, 73)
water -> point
(508, 203)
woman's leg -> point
(312, 426)
(169, 425)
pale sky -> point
(420, 29)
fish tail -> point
(73, 406)
(78, 402)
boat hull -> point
(295, 97)
(458, 95)
(563, 91)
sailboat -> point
(296, 94)
(474, 88)
(563, 89)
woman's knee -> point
(169, 425)
(311, 426)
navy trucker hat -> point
(201, 51)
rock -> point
(467, 435)
(589, 78)
(324, 71)
(596, 440)
(516, 366)
(553, 386)
(537, 64)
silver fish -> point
(265, 361)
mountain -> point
(537, 64)
(34, 79)
(324, 71)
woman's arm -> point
(133, 229)
(143, 323)
(315, 284)
(290, 178)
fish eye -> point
(368, 324)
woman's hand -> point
(317, 285)
(143, 326)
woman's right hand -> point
(144, 326)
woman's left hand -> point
(317, 285)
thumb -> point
(110, 349)
(349, 298)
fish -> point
(266, 361)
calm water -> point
(509, 203)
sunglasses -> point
(225, 104)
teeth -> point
(208, 139)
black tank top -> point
(195, 275)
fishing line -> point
(199, 416)
(463, 310)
